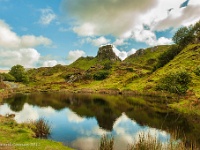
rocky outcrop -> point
(106, 52)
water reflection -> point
(80, 120)
(81, 132)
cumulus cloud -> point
(130, 19)
(74, 55)
(123, 54)
(27, 57)
(94, 17)
(120, 42)
(16, 49)
(96, 41)
(47, 16)
(11, 40)
(147, 36)
(49, 63)
(186, 16)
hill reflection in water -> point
(80, 120)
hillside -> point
(105, 71)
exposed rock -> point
(106, 52)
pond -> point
(79, 120)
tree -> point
(184, 36)
(196, 32)
(167, 56)
(19, 73)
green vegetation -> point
(167, 56)
(19, 73)
(7, 77)
(147, 142)
(106, 143)
(41, 128)
(20, 137)
(197, 71)
(175, 82)
(101, 75)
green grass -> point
(20, 137)
(84, 63)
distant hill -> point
(105, 55)
(4, 71)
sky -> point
(44, 33)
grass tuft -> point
(41, 128)
(106, 143)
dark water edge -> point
(106, 109)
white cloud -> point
(94, 17)
(73, 117)
(11, 40)
(8, 38)
(126, 19)
(132, 51)
(86, 29)
(27, 57)
(86, 143)
(123, 54)
(32, 41)
(19, 50)
(74, 55)
(47, 16)
(100, 41)
(96, 41)
(28, 112)
(186, 16)
(142, 35)
(147, 36)
(120, 42)
(164, 41)
(49, 63)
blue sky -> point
(49, 32)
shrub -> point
(7, 77)
(41, 128)
(101, 75)
(19, 73)
(175, 82)
(197, 71)
(167, 56)
(106, 143)
(107, 66)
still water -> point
(79, 120)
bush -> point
(41, 128)
(197, 71)
(101, 75)
(19, 73)
(7, 77)
(107, 66)
(167, 56)
(175, 82)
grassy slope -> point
(84, 63)
(134, 73)
(13, 133)
(188, 60)
(130, 70)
